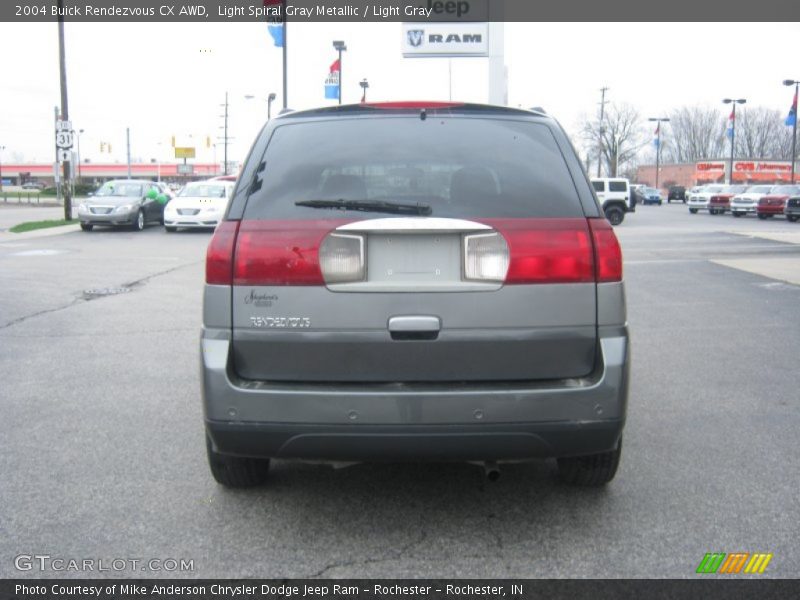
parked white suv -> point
(615, 197)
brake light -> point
(219, 256)
(280, 252)
(547, 250)
(607, 252)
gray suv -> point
(414, 281)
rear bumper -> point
(448, 421)
(513, 441)
(792, 210)
(743, 209)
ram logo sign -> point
(735, 563)
(445, 39)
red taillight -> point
(219, 256)
(280, 252)
(547, 250)
(608, 254)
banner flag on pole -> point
(729, 132)
(332, 81)
(275, 23)
(791, 118)
(656, 140)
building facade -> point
(716, 171)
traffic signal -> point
(173, 141)
(208, 141)
(102, 146)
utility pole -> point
(225, 136)
(128, 142)
(658, 120)
(793, 114)
(55, 168)
(285, 66)
(601, 130)
(62, 65)
(732, 118)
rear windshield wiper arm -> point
(369, 206)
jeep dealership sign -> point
(445, 39)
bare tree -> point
(761, 133)
(620, 134)
(694, 133)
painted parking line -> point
(782, 268)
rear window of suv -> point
(459, 167)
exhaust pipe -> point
(492, 470)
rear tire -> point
(792, 218)
(693, 211)
(170, 229)
(736, 214)
(87, 226)
(235, 471)
(614, 215)
(591, 470)
(762, 217)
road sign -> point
(64, 155)
(64, 139)
(63, 125)
(185, 169)
(185, 152)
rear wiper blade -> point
(369, 206)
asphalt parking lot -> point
(103, 450)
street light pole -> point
(733, 101)
(659, 120)
(270, 100)
(340, 47)
(795, 83)
(364, 86)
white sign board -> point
(185, 169)
(63, 125)
(425, 40)
(64, 155)
(64, 139)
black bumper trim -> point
(372, 443)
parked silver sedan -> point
(124, 202)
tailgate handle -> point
(414, 328)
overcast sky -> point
(170, 79)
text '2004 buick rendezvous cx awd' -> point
(414, 281)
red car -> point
(721, 202)
(775, 202)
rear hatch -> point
(403, 249)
